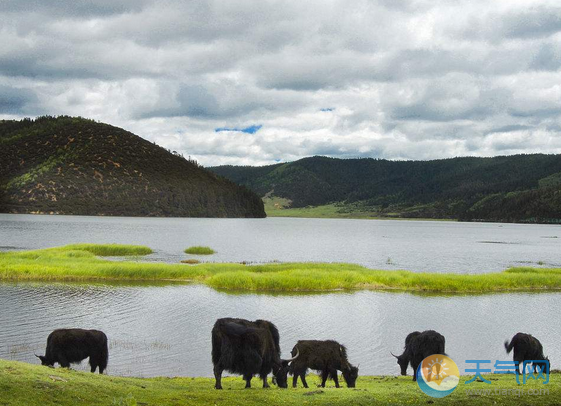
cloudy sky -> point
(257, 82)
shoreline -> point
(293, 216)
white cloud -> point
(405, 79)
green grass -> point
(111, 250)
(280, 207)
(80, 263)
(199, 250)
(275, 207)
(34, 385)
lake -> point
(164, 329)
(431, 246)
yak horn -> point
(393, 354)
(296, 356)
(38, 356)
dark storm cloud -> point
(17, 101)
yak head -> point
(280, 371)
(280, 374)
(45, 361)
(402, 361)
(350, 374)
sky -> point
(265, 81)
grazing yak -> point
(248, 348)
(71, 346)
(526, 347)
(418, 346)
(325, 356)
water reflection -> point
(165, 329)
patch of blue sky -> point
(252, 129)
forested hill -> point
(518, 188)
(72, 165)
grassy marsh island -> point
(110, 250)
(26, 384)
(79, 263)
(199, 250)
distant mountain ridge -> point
(518, 188)
(70, 165)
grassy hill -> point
(518, 188)
(70, 165)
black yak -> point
(418, 346)
(71, 346)
(248, 348)
(325, 356)
(526, 347)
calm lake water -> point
(164, 330)
(431, 246)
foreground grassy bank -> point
(81, 263)
(25, 384)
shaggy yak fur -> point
(418, 346)
(71, 346)
(248, 348)
(324, 356)
(526, 347)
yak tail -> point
(104, 357)
(216, 346)
(508, 347)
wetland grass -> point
(199, 250)
(109, 250)
(78, 263)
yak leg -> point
(265, 383)
(518, 357)
(63, 362)
(519, 362)
(295, 380)
(414, 365)
(93, 363)
(324, 375)
(538, 367)
(303, 379)
(333, 374)
(218, 377)
(247, 379)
